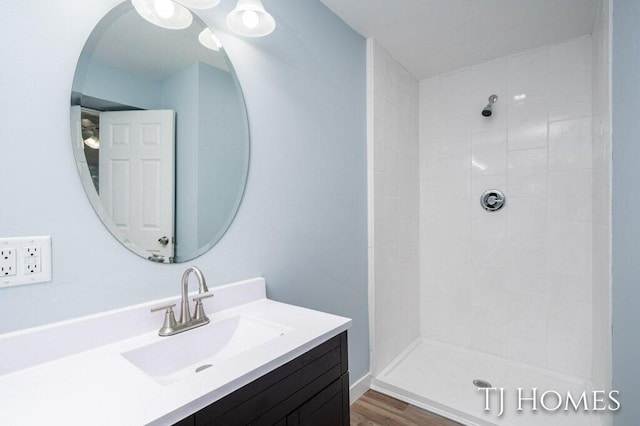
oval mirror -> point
(160, 135)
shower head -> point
(488, 110)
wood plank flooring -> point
(376, 409)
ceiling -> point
(431, 37)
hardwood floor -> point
(376, 409)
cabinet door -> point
(330, 407)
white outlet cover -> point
(24, 247)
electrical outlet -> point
(28, 260)
(32, 260)
(8, 267)
(32, 265)
(32, 251)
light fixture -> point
(209, 40)
(92, 142)
(199, 4)
(89, 133)
(250, 19)
(164, 13)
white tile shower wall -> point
(393, 104)
(514, 283)
(601, 213)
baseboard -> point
(359, 388)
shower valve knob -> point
(492, 200)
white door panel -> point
(137, 178)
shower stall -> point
(516, 296)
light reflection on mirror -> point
(160, 135)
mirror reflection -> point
(160, 135)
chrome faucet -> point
(186, 322)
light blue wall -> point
(626, 208)
(302, 223)
(222, 152)
(105, 82)
(180, 93)
(305, 203)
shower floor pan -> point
(439, 377)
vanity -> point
(257, 362)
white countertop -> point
(98, 386)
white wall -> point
(393, 140)
(602, 198)
(514, 283)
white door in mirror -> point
(25, 260)
(137, 179)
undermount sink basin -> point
(177, 357)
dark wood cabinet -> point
(311, 390)
(328, 407)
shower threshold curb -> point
(427, 404)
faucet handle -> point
(168, 307)
(199, 314)
(170, 323)
(202, 296)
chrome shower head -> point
(488, 110)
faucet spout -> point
(186, 322)
(185, 315)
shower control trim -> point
(492, 200)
